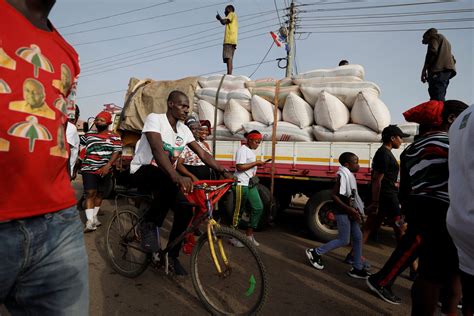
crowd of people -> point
(44, 267)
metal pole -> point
(276, 100)
(291, 38)
(215, 118)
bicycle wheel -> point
(123, 243)
(242, 290)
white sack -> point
(341, 71)
(230, 82)
(370, 111)
(286, 132)
(330, 112)
(297, 111)
(235, 116)
(241, 96)
(411, 129)
(344, 91)
(316, 80)
(263, 111)
(206, 112)
(347, 133)
(223, 133)
(209, 95)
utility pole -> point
(291, 39)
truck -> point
(297, 168)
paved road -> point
(296, 288)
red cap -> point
(105, 115)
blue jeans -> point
(347, 228)
(44, 266)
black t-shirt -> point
(384, 162)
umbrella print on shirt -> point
(34, 56)
(6, 61)
(4, 87)
(31, 130)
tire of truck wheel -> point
(269, 211)
(313, 207)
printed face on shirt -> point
(33, 93)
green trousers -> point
(245, 196)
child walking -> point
(349, 210)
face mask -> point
(101, 128)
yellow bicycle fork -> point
(211, 238)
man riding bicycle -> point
(164, 137)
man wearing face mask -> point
(102, 150)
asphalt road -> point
(296, 288)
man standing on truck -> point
(164, 137)
(230, 36)
(102, 150)
(44, 269)
(439, 64)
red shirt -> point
(37, 73)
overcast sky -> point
(114, 48)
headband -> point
(254, 136)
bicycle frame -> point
(196, 221)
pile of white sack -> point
(334, 105)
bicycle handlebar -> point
(212, 185)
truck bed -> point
(305, 160)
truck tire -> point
(227, 205)
(320, 217)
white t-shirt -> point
(245, 155)
(460, 219)
(72, 138)
(173, 143)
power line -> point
(375, 6)
(142, 34)
(145, 19)
(263, 59)
(382, 15)
(114, 15)
(160, 58)
(132, 51)
(204, 74)
(276, 9)
(166, 46)
(384, 31)
(387, 23)
(159, 31)
(325, 3)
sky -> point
(166, 40)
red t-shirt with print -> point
(37, 72)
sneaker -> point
(314, 259)
(96, 222)
(234, 242)
(178, 268)
(358, 274)
(383, 292)
(149, 239)
(252, 239)
(90, 227)
(350, 260)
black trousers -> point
(438, 84)
(166, 195)
(426, 237)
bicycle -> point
(228, 280)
